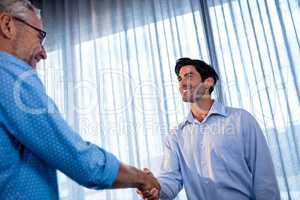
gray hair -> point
(18, 8)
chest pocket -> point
(226, 144)
(223, 140)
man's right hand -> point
(131, 177)
(149, 192)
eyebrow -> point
(185, 75)
(189, 73)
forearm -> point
(259, 160)
(128, 177)
(131, 177)
(265, 183)
(169, 188)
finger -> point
(147, 196)
(147, 171)
(139, 193)
(156, 184)
(155, 194)
(153, 198)
(151, 195)
(144, 195)
(153, 190)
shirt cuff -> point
(164, 192)
(111, 170)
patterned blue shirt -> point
(35, 141)
(225, 157)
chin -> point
(33, 67)
(33, 64)
(187, 99)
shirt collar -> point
(216, 109)
(6, 57)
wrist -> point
(140, 182)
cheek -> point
(20, 48)
(200, 88)
(180, 90)
(32, 50)
(24, 45)
(29, 43)
(180, 86)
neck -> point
(201, 108)
(5, 48)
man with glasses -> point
(35, 140)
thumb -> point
(147, 171)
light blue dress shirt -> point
(35, 141)
(225, 157)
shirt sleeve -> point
(33, 119)
(259, 161)
(170, 177)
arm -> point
(32, 118)
(134, 178)
(259, 161)
(170, 177)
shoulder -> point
(247, 121)
(171, 140)
(171, 137)
(239, 112)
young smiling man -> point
(217, 152)
(35, 140)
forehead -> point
(187, 69)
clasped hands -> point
(151, 187)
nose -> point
(183, 84)
(40, 54)
(43, 53)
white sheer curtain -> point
(112, 75)
(110, 69)
(258, 50)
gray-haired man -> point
(34, 144)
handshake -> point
(150, 188)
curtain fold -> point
(110, 69)
(258, 49)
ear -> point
(209, 82)
(7, 26)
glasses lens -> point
(42, 37)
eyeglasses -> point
(42, 34)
